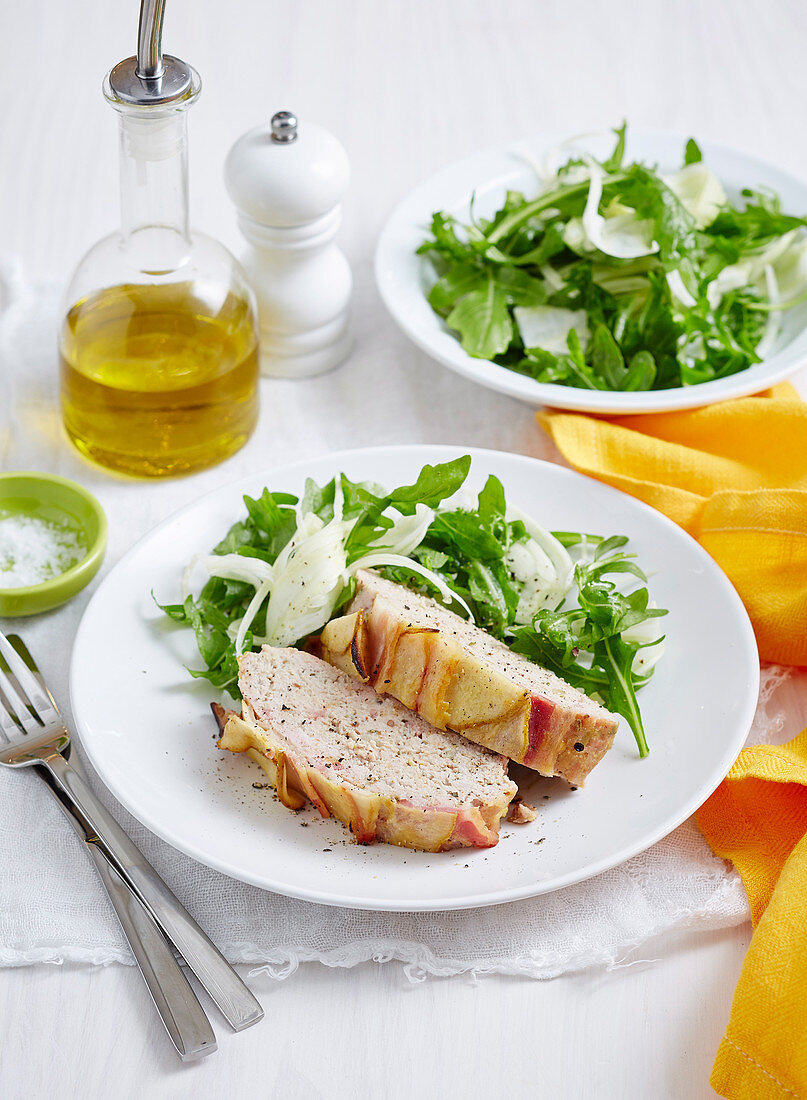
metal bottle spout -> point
(150, 40)
(152, 78)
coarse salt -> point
(34, 550)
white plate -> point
(149, 733)
(404, 277)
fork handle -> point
(236, 1003)
(178, 1006)
(184, 1018)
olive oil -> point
(154, 381)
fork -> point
(179, 1009)
(35, 734)
(183, 1015)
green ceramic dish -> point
(56, 500)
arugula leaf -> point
(491, 504)
(569, 199)
(641, 372)
(483, 321)
(240, 534)
(444, 240)
(606, 358)
(616, 657)
(468, 548)
(692, 152)
(319, 500)
(272, 518)
(434, 484)
(551, 246)
(577, 538)
(364, 505)
(493, 594)
(614, 162)
(175, 611)
(463, 533)
(458, 281)
(758, 222)
(577, 364)
(519, 288)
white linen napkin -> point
(53, 909)
(52, 905)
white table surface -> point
(408, 87)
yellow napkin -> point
(757, 818)
(734, 475)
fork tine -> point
(24, 680)
(15, 707)
(25, 654)
(10, 725)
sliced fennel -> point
(773, 319)
(679, 292)
(541, 564)
(623, 235)
(311, 573)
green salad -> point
(289, 566)
(616, 276)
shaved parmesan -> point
(699, 191)
(547, 327)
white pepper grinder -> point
(287, 183)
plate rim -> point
(440, 452)
(493, 376)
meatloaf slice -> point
(364, 758)
(458, 676)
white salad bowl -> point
(404, 277)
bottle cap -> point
(286, 174)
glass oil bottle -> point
(158, 347)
